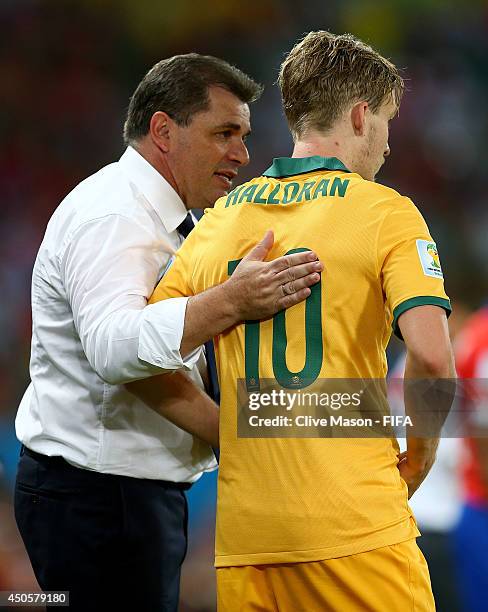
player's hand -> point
(262, 288)
(412, 472)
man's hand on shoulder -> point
(259, 289)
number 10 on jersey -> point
(313, 342)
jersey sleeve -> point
(408, 261)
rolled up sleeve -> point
(160, 335)
(108, 272)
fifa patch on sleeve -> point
(429, 258)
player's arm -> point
(257, 289)
(176, 398)
(413, 285)
(428, 388)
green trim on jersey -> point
(291, 166)
(422, 300)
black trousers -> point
(114, 542)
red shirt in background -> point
(472, 363)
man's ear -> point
(161, 128)
(358, 117)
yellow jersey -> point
(283, 500)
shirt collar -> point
(291, 166)
(156, 189)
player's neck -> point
(324, 146)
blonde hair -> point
(324, 73)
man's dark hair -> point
(179, 86)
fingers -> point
(261, 250)
(290, 261)
(294, 298)
(267, 287)
(298, 271)
(295, 282)
(402, 456)
(301, 283)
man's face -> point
(376, 147)
(206, 155)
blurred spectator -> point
(472, 530)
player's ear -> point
(161, 127)
(358, 117)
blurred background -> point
(67, 71)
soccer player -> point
(313, 523)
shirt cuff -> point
(160, 335)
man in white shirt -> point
(100, 498)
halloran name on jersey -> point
(287, 193)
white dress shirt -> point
(103, 252)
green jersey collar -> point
(291, 166)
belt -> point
(57, 460)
